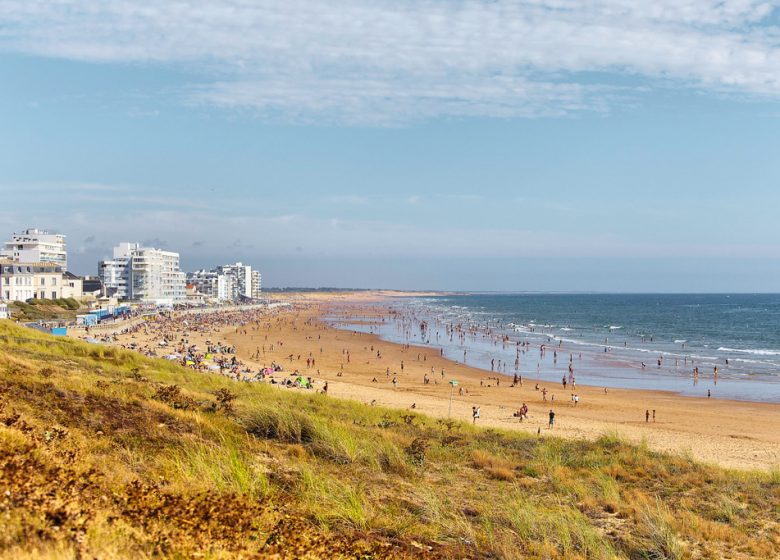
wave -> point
(757, 352)
(614, 328)
(680, 341)
(761, 362)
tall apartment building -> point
(144, 274)
(206, 282)
(257, 284)
(37, 245)
(113, 273)
(229, 282)
(240, 283)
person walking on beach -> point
(395, 382)
(474, 414)
(552, 419)
(647, 415)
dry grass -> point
(104, 453)
(495, 467)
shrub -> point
(500, 473)
(484, 460)
(283, 425)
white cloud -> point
(394, 61)
(67, 187)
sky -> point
(540, 145)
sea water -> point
(609, 340)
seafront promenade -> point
(120, 325)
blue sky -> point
(537, 145)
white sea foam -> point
(748, 361)
(680, 341)
(757, 352)
(614, 328)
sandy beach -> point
(362, 367)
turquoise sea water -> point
(607, 338)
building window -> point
(54, 295)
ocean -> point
(613, 340)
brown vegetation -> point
(107, 454)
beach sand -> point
(732, 434)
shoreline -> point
(625, 362)
(733, 434)
(737, 434)
(628, 383)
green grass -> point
(39, 309)
(95, 442)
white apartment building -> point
(144, 274)
(239, 281)
(205, 282)
(230, 282)
(113, 273)
(20, 281)
(37, 245)
(257, 284)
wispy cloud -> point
(65, 187)
(385, 62)
(145, 200)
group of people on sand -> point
(194, 340)
(190, 339)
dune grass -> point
(106, 453)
